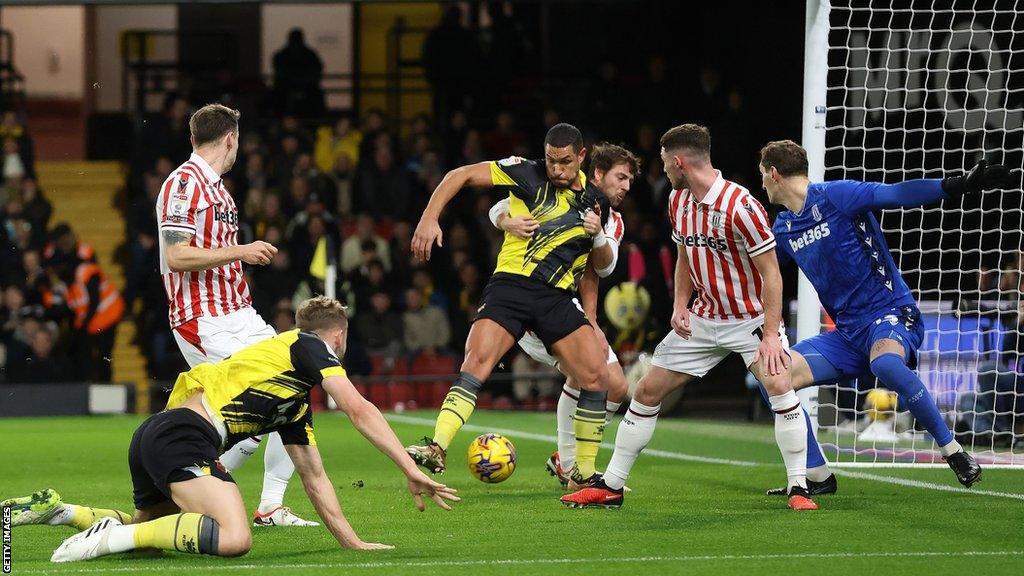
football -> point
(492, 458)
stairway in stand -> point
(83, 194)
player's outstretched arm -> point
(321, 493)
(921, 192)
(771, 351)
(183, 257)
(372, 425)
(428, 231)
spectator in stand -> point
(369, 280)
(41, 365)
(298, 73)
(424, 282)
(271, 217)
(254, 177)
(454, 136)
(451, 60)
(372, 127)
(504, 138)
(379, 327)
(467, 298)
(27, 204)
(426, 326)
(63, 240)
(385, 186)
(34, 276)
(343, 140)
(419, 130)
(283, 318)
(166, 134)
(401, 253)
(96, 307)
(352, 247)
(284, 164)
(273, 283)
(13, 131)
(472, 151)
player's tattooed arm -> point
(176, 237)
(182, 256)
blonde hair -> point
(321, 313)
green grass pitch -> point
(684, 516)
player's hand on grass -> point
(370, 546)
(773, 357)
(420, 484)
(520, 226)
(259, 253)
(983, 176)
(428, 232)
(681, 322)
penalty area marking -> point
(707, 460)
(165, 567)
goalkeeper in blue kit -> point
(829, 231)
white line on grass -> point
(67, 569)
(929, 485)
(693, 458)
(549, 438)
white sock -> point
(610, 408)
(567, 402)
(239, 453)
(952, 448)
(277, 471)
(819, 473)
(634, 433)
(121, 538)
(791, 436)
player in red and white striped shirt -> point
(211, 310)
(727, 255)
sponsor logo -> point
(705, 241)
(810, 236)
(510, 161)
(226, 216)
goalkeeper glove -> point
(983, 176)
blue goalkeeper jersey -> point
(837, 243)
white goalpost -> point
(901, 90)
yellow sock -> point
(589, 428)
(188, 532)
(83, 517)
(455, 411)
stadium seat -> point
(385, 393)
(430, 393)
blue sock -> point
(894, 374)
(814, 456)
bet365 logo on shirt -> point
(808, 237)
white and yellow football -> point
(492, 458)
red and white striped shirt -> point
(721, 234)
(193, 200)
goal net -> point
(919, 90)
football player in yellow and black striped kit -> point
(533, 285)
(185, 499)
